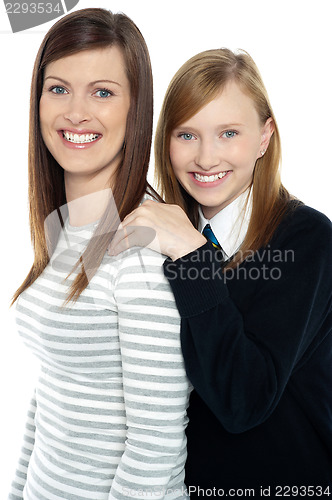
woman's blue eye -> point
(229, 134)
(187, 137)
(58, 90)
(103, 93)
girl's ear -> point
(267, 132)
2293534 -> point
(302, 491)
(33, 8)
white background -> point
(290, 40)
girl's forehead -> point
(230, 105)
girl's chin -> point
(210, 212)
(211, 208)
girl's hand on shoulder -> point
(159, 226)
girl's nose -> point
(207, 155)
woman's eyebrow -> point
(91, 83)
(56, 78)
(103, 81)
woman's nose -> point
(77, 111)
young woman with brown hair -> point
(108, 415)
(255, 299)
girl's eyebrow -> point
(221, 125)
(91, 83)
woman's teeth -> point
(209, 178)
(79, 139)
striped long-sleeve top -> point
(108, 417)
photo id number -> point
(32, 8)
(302, 491)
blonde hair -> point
(196, 84)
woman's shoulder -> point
(141, 265)
(151, 194)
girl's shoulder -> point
(297, 213)
(306, 225)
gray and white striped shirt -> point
(108, 417)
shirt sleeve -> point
(155, 384)
(16, 492)
(240, 354)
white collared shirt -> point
(230, 225)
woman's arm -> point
(155, 384)
(243, 340)
(16, 492)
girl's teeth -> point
(79, 139)
(209, 178)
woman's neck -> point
(87, 197)
(85, 208)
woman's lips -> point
(79, 139)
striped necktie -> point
(210, 236)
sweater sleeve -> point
(16, 492)
(155, 384)
(240, 354)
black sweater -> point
(257, 345)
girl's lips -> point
(208, 183)
(75, 140)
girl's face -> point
(213, 154)
(83, 113)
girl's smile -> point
(210, 180)
(213, 154)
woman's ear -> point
(267, 131)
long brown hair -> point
(83, 30)
(196, 84)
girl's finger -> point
(132, 236)
(119, 240)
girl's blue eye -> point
(103, 93)
(186, 137)
(58, 90)
(229, 134)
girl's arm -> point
(159, 226)
(155, 384)
(16, 492)
(243, 339)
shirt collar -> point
(230, 225)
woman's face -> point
(213, 154)
(83, 112)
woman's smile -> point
(83, 114)
(79, 139)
